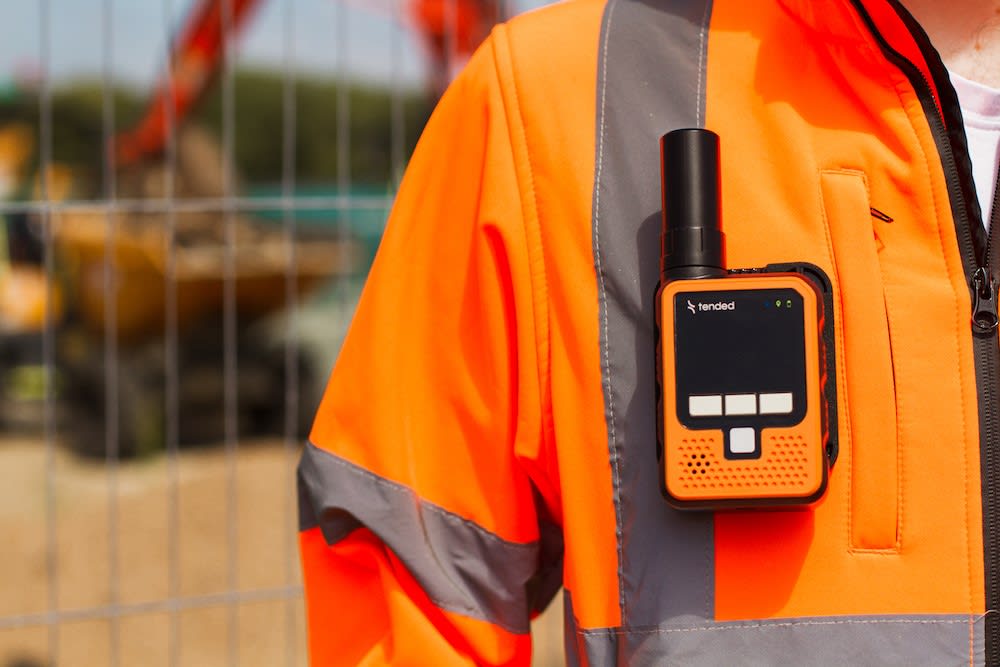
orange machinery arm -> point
(199, 50)
(195, 60)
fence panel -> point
(183, 240)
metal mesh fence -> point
(166, 324)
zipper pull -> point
(879, 215)
(984, 305)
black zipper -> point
(988, 361)
(979, 258)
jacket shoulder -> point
(554, 48)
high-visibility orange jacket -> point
(489, 432)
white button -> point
(775, 404)
(742, 441)
(741, 404)
(705, 406)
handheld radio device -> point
(745, 369)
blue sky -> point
(374, 46)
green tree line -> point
(78, 117)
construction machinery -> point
(27, 299)
(171, 271)
(157, 279)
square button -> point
(705, 406)
(742, 440)
(741, 404)
(776, 404)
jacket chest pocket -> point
(868, 428)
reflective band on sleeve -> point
(462, 567)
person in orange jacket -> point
(488, 433)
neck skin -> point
(966, 33)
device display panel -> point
(740, 358)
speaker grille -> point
(782, 468)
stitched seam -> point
(536, 263)
(767, 626)
(539, 282)
(702, 49)
(842, 358)
(602, 293)
(536, 260)
(867, 40)
(971, 640)
(702, 55)
(900, 479)
(424, 505)
(958, 350)
(965, 427)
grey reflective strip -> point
(650, 80)
(461, 566)
(911, 641)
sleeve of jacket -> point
(428, 515)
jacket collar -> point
(842, 22)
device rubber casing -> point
(702, 464)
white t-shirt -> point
(981, 112)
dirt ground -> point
(268, 629)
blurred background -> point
(191, 193)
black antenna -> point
(692, 244)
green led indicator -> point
(777, 302)
(789, 303)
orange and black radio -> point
(746, 408)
